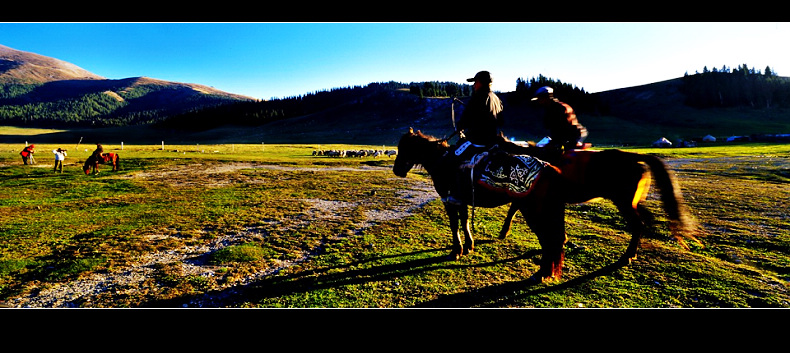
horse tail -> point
(681, 225)
(117, 162)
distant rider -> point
(97, 156)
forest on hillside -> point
(259, 113)
(263, 112)
(742, 86)
(71, 103)
(723, 87)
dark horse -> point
(582, 175)
(106, 158)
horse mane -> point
(429, 138)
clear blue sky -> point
(275, 60)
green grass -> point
(59, 227)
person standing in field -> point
(60, 156)
(27, 155)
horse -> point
(579, 176)
(105, 158)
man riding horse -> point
(485, 170)
(565, 131)
(99, 157)
(479, 124)
(622, 177)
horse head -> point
(404, 160)
(416, 148)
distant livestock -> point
(355, 153)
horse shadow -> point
(275, 286)
(502, 295)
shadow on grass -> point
(511, 294)
(360, 272)
(310, 280)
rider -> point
(479, 125)
(565, 131)
(98, 151)
(97, 156)
(482, 115)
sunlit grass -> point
(59, 227)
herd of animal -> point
(355, 153)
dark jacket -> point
(481, 118)
(560, 120)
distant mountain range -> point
(37, 91)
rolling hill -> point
(146, 110)
(40, 91)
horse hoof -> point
(534, 280)
(542, 277)
(625, 260)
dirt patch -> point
(192, 260)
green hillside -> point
(629, 116)
(380, 113)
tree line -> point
(440, 89)
(75, 106)
(262, 112)
(741, 86)
(723, 87)
(577, 97)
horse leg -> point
(505, 231)
(452, 214)
(469, 243)
(635, 226)
(547, 221)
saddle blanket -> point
(501, 172)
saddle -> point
(498, 171)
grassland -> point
(257, 205)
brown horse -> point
(580, 176)
(106, 158)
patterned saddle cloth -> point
(505, 173)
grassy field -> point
(261, 202)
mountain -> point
(24, 67)
(36, 91)
(41, 91)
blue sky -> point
(275, 60)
